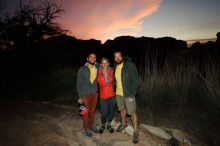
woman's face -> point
(104, 64)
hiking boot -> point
(88, 132)
(94, 129)
(121, 127)
(102, 129)
(136, 137)
(110, 129)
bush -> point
(184, 93)
(55, 83)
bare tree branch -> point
(50, 12)
(31, 22)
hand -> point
(80, 100)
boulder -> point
(129, 130)
(182, 138)
(156, 132)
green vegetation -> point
(56, 83)
(187, 94)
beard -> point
(91, 63)
(119, 62)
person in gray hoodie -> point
(86, 85)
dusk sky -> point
(107, 19)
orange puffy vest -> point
(106, 90)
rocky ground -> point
(30, 123)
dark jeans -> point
(107, 109)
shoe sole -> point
(135, 142)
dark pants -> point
(90, 103)
(107, 110)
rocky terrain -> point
(28, 123)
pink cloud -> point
(106, 19)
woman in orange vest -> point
(107, 95)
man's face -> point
(118, 57)
(91, 59)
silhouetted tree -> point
(30, 23)
(19, 33)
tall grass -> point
(188, 92)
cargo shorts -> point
(128, 103)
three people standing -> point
(126, 80)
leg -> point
(123, 116)
(131, 108)
(134, 120)
(104, 110)
(121, 107)
(136, 133)
(93, 102)
(111, 110)
(86, 117)
(104, 113)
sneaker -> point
(110, 129)
(101, 129)
(94, 129)
(121, 127)
(136, 137)
(88, 132)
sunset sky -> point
(107, 19)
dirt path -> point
(46, 124)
